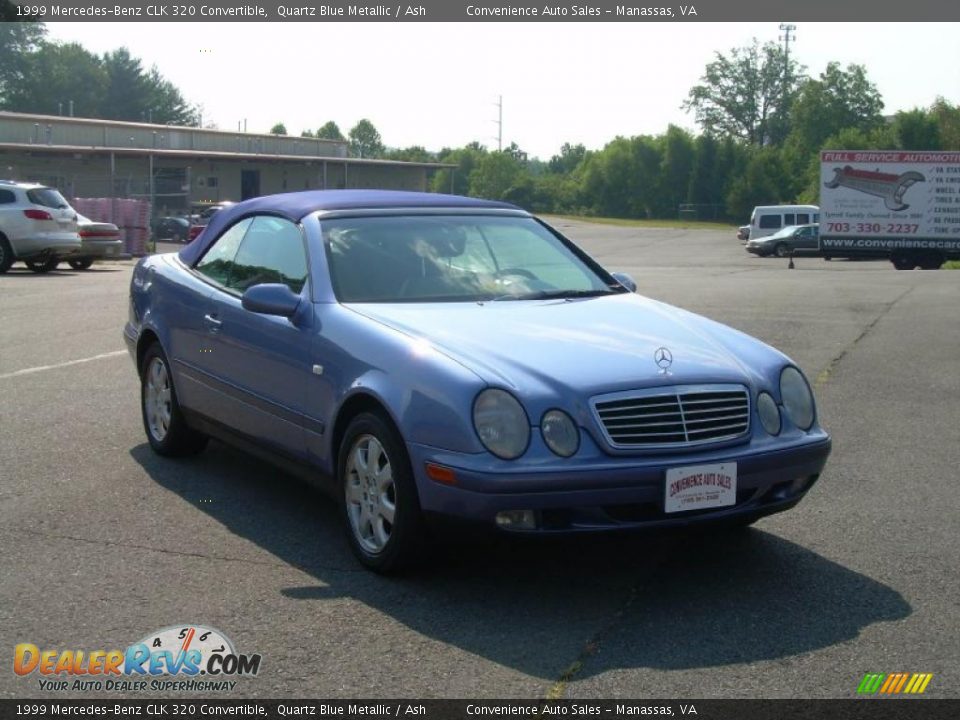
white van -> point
(768, 219)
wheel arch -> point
(359, 402)
(146, 339)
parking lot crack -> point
(135, 546)
(312, 568)
(824, 375)
(590, 648)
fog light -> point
(517, 520)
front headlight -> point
(769, 413)
(501, 423)
(797, 398)
(560, 433)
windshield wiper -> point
(557, 295)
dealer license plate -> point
(698, 487)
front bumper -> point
(625, 493)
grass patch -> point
(952, 265)
(674, 224)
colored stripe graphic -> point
(894, 683)
(922, 685)
(889, 683)
(870, 683)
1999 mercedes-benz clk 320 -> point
(437, 356)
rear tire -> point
(6, 255)
(378, 496)
(903, 261)
(83, 264)
(163, 421)
(42, 267)
(931, 261)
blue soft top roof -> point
(295, 206)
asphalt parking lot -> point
(103, 542)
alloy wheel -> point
(370, 494)
(156, 398)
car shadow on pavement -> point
(669, 601)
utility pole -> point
(499, 122)
(787, 37)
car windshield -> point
(47, 197)
(788, 231)
(456, 259)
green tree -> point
(330, 131)
(514, 151)
(365, 141)
(948, 123)
(169, 105)
(18, 40)
(457, 181)
(916, 130)
(763, 183)
(494, 174)
(414, 153)
(703, 187)
(675, 170)
(569, 158)
(838, 99)
(137, 94)
(278, 129)
(745, 94)
(622, 180)
(55, 75)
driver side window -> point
(261, 249)
(217, 262)
(271, 252)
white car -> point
(37, 226)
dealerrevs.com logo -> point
(180, 657)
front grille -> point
(674, 416)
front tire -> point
(781, 250)
(378, 496)
(43, 266)
(83, 264)
(167, 430)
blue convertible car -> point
(430, 356)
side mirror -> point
(625, 280)
(270, 299)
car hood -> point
(591, 345)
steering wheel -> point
(522, 272)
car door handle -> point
(212, 322)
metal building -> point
(179, 167)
